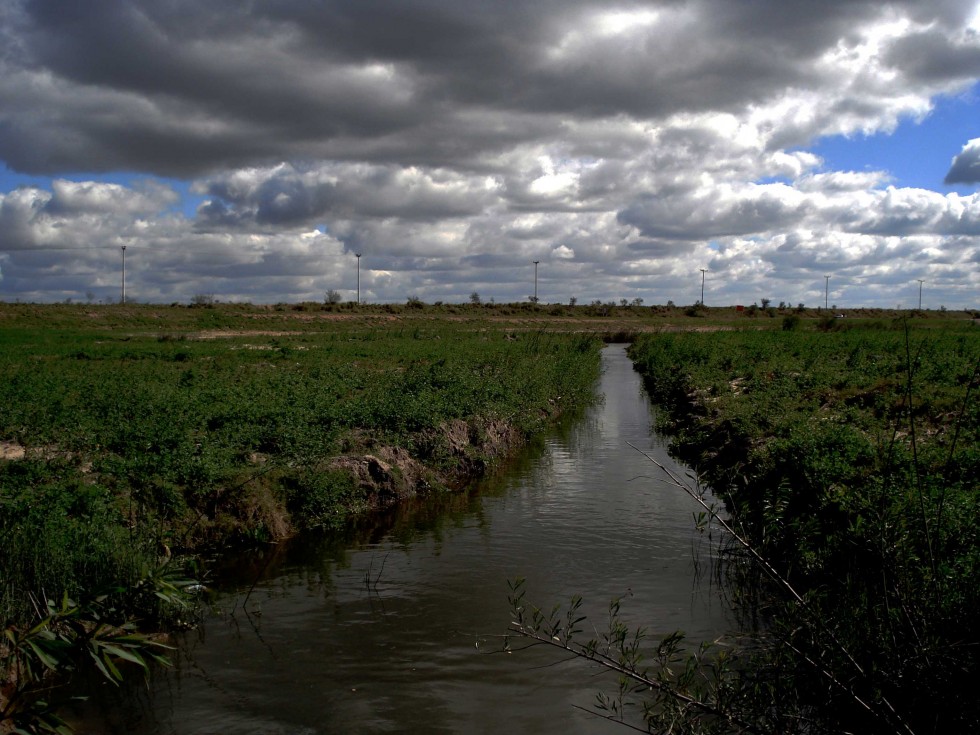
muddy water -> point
(396, 627)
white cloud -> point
(625, 147)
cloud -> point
(966, 165)
(189, 89)
(624, 147)
(286, 195)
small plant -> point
(70, 637)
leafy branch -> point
(70, 636)
(679, 690)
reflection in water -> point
(396, 627)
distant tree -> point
(475, 298)
(572, 301)
(637, 302)
(670, 304)
(624, 302)
(203, 299)
(332, 297)
(765, 303)
(414, 302)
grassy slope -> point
(851, 459)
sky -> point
(249, 151)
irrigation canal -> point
(396, 627)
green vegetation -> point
(131, 434)
(97, 634)
(124, 444)
(848, 460)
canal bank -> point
(398, 627)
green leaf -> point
(124, 654)
(44, 657)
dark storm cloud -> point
(966, 165)
(187, 88)
(721, 214)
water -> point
(397, 628)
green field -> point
(130, 434)
(850, 459)
(846, 448)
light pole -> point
(358, 256)
(826, 290)
(920, 293)
(703, 271)
(536, 280)
(122, 299)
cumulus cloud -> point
(623, 146)
(966, 165)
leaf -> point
(102, 666)
(124, 654)
(44, 657)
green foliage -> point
(323, 498)
(661, 686)
(791, 322)
(137, 441)
(848, 460)
(67, 638)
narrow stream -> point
(397, 628)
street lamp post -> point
(920, 293)
(536, 280)
(358, 256)
(122, 298)
(703, 271)
(826, 291)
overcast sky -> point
(249, 150)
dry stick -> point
(779, 579)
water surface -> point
(397, 627)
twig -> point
(782, 582)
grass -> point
(144, 431)
(850, 458)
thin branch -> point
(780, 580)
